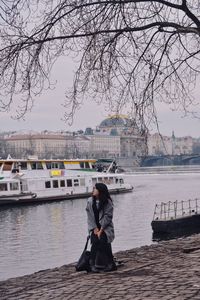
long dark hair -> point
(104, 194)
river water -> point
(37, 237)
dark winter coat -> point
(105, 219)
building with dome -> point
(117, 136)
(119, 124)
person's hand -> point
(96, 230)
(99, 233)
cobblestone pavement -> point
(167, 270)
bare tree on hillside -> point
(131, 52)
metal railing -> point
(176, 209)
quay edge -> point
(162, 271)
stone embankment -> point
(167, 270)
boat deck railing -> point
(177, 209)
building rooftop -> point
(116, 121)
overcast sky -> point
(48, 111)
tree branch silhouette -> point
(132, 53)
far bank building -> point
(117, 136)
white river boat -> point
(28, 181)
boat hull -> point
(32, 198)
(183, 224)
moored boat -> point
(11, 191)
(32, 164)
(55, 184)
(176, 217)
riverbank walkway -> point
(167, 270)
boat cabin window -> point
(94, 181)
(23, 165)
(36, 165)
(87, 166)
(82, 164)
(62, 166)
(121, 180)
(62, 183)
(76, 182)
(110, 180)
(16, 165)
(48, 165)
(55, 165)
(69, 182)
(15, 168)
(3, 187)
(100, 179)
(106, 180)
(7, 166)
(82, 181)
(14, 186)
(55, 183)
(47, 184)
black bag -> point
(83, 263)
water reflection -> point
(157, 237)
(36, 237)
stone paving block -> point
(157, 272)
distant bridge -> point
(167, 160)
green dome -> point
(116, 121)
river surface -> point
(37, 237)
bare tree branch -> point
(133, 54)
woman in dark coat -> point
(99, 215)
